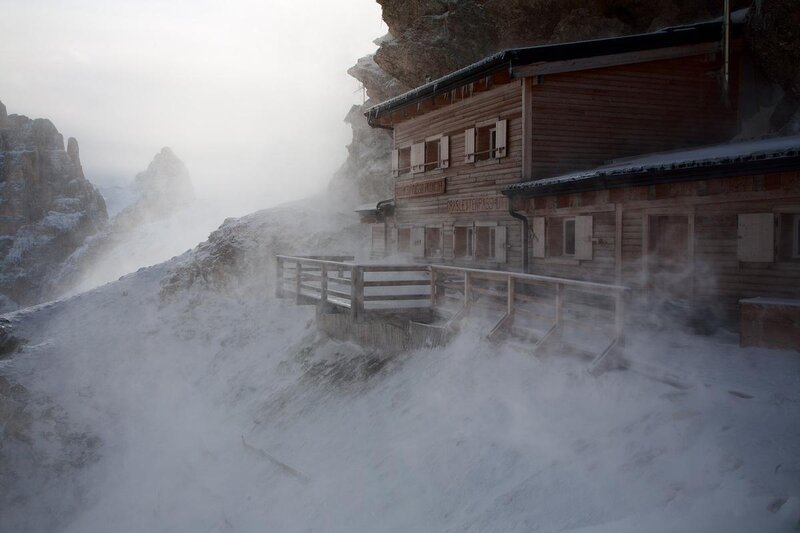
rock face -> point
(161, 190)
(433, 37)
(774, 36)
(47, 207)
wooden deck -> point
(535, 310)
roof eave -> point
(656, 177)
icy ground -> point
(225, 411)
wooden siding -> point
(583, 119)
(718, 278)
(467, 180)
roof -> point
(374, 207)
(698, 33)
(722, 160)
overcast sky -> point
(251, 94)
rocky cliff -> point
(162, 190)
(47, 207)
(774, 37)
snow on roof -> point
(774, 148)
(671, 36)
(373, 206)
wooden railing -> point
(556, 303)
(359, 288)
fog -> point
(250, 94)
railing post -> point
(433, 286)
(356, 291)
(619, 316)
(279, 278)
(298, 281)
(511, 295)
(467, 289)
(323, 286)
(559, 303)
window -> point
(431, 155)
(404, 240)
(569, 237)
(490, 242)
(404, 164)
(433, 242)
(486, 141)
(789, 236)
(463, 241)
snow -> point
(197, 401)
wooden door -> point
(669, 255)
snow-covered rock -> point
(47, 207)
(159, 221)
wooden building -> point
(582, 160)
(533, 113)
(707, 227)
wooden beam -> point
(614, 60)
(527, 129)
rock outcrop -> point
(433, 37)
(47, 207)
(774, 37)
(160, 191)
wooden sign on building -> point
(483, 204)
(420, 188)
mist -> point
(251, 95)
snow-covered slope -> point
(179, 400)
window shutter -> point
(444, 152)
(378, 240)
(418, 242)
(538, 237)
(583, 238)
(501, 138)
(392, 245)
(417, 157)
(395, 163)
(756, 238)
(500, 244)
(469, 145)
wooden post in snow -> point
(511, 296)
(298, 281)
(357, 291)
(279, 278)
(323, 286)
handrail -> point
(356, 298)
(534, 277)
